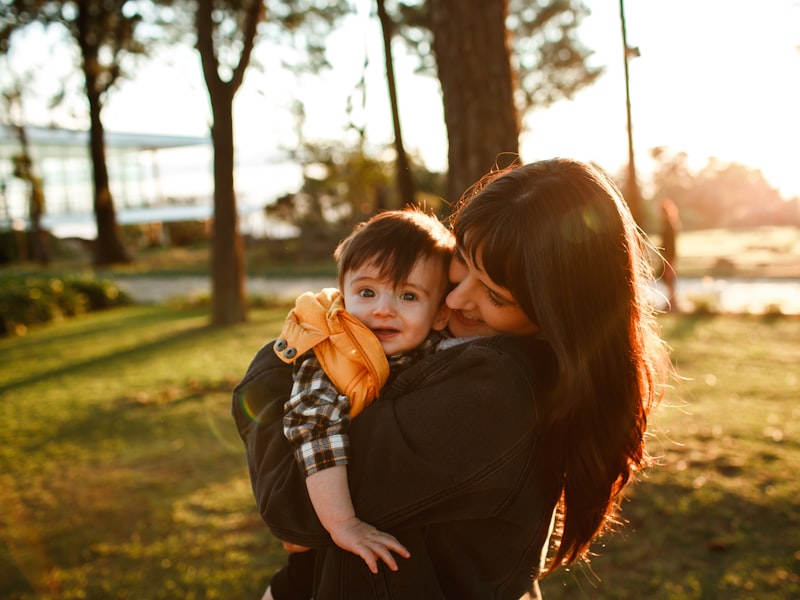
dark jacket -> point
(446, 460)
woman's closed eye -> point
(493, 298)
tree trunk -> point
(37, 240)
(228, 301)
(473, 57)
(405, 181)
(227, 253)
(108, 247)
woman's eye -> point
(408, 297)
(366, 293)
(493, 298)
(459, 257)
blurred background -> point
(195, 162)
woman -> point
(475, 455)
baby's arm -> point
(330, 496)
(315, 423)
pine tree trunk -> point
(473, 57)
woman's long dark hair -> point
(559, 237)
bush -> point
(26, 301)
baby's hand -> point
(367, 542)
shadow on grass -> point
(134, 496)
(108, 322)
(171, 339)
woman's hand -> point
(368, 542)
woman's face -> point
(479, 305)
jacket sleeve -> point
(257, 409)
(443, 443)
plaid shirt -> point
(316, 416)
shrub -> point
(26, 301)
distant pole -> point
(631, 188)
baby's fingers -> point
(386, 556)
(395, 546)
(369, 558)
(383, 544)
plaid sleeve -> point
(315, 419)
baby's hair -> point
(394, 241)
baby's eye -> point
(408, 296)
(366, 293)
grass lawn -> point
(122, 476)
(720, 517)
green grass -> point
(122, 476)
(122, 473)
(719, 518)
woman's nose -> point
(458, 298)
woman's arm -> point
(446, 440)
(257, 408)
(447, 429)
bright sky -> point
(715, 78)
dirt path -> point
(160, 289)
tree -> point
(720, 194)
(342, 185)
(405, 182)
(23, 168)
(226, 36)
(104, 31)
(227, 255)
(496, 59)
(472, 51)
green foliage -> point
(33, 300)
(122, 475)
(342, 185)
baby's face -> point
(400, 314)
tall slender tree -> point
(405, 180)
(105, 33)
(227, 32)
(227, 254)
(24, 167)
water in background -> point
(734, 295)
(755, 296)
